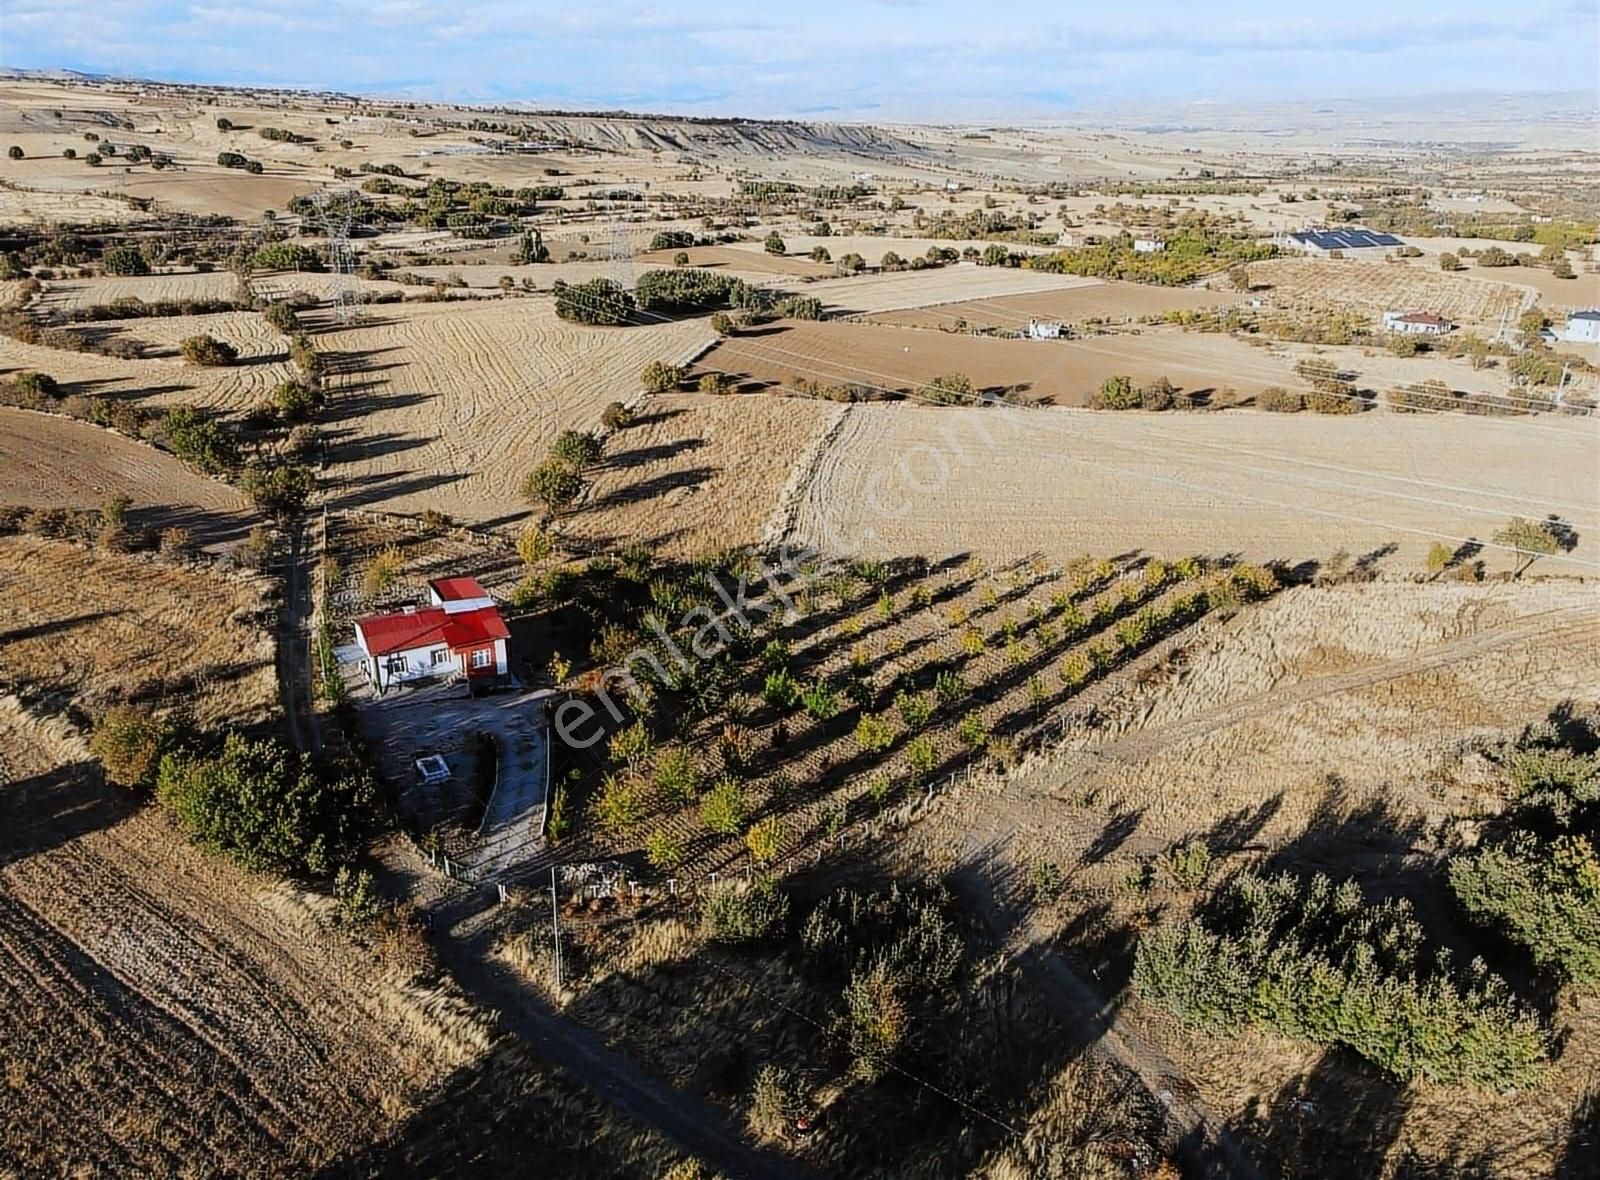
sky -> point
(846, 59)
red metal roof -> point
(458, 589)
(410, 630)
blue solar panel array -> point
(1345, 239)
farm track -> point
(465, 944)
(1145, 743)
(1194, 1134)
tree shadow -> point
(44, 811)
(1331, 1121)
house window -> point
(396, 664)
(480, 658)
(440, 656)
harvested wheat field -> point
(167, 380)
(1057, 372)
(72, 294)
(1109, 300)
(152, 991)
(1372, 288)
(696, 474)
(134, 630)
(449, 406)
(735, 261)
(47, 461)
(857, 294)
(903, 480)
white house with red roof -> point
(460, 632)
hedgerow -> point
(1315, 960)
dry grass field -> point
(450, 406)
(1337, 729)
(1098, 301)
(696, 473)
(102, 629)
(1372, 288)
(1266, 486)
(47, 461)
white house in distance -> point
(1415, 323)
(1148, 245)
(1044, 330)
(1583, 327)
(460, 632)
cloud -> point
(935, 59)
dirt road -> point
(462, 937)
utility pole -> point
(555, 924)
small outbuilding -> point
(1583, 327)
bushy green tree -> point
(553, 483)
(267, 806)
(125, 260)
(598, 301)
(723, 808)
(281, 489)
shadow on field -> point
(45, 811)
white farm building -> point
(1415, 323)
(1583, 327)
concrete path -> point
(512, 830)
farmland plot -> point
(1104, 301)
(1060, 372)
(1372, 288)
(1270, 487)
(697, 473)
(133, 630)
(936, 285)
(449, 406)
(48, 461)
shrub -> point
(125, 260)
(660, 377)
(535, 545)
(621, 806)
(774, 244)
(294, 400)
(1115, 393)
(203, 442)
(914, 708)
(287, 256)
(663, 850)
(722, 324)
(715, 383)
(874, 734)
(1280, 400)
(775, 1103)
(950, 389)
(175, 542)
(672, 239)
(578, 449)
(281, 489)
(1317, 961)
(267, 806)
(1158, 395)
(553, 483)
(129, 742)
(1530, 539)
(820, 699)
(733, 912)
(723, 808)
(281, 315)
(36, 388)
(383, 571)
(208, 350)
(616, 416)
(765, 840)
(1545, 897)
(677, 775)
